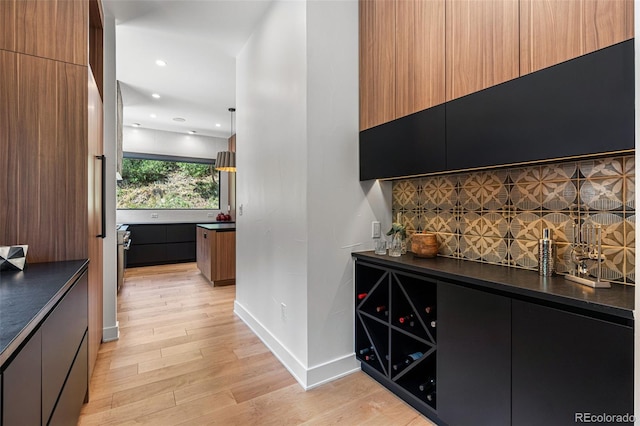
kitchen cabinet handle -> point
(103, 213)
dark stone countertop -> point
(221, 226)
(27, 297)
(618, 300)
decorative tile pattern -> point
(497, 216)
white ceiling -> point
(199, 40)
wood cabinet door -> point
(225, 259)
(377, 62)
(94, 213)
(52, 29)
(203, 251)
(43, 157)
(419, 55)
(553, 31)
(482, 46)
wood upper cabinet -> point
(419, 55)
(555, 31)
(377, 62)
(401, 58)
(482, 44)
(52, 29)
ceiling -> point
(199, 41)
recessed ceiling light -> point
(156, 96)
(161, 63)
(192, 132)
(218, 124)
(136, 124)
(152, 115)
(179, 119)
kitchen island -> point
(216, 252)
(468, 343)
(43, 343)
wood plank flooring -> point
(183, 357)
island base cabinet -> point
(474, 351)
(21, 401)
(566, 366)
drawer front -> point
(68, 408)
(21, 387)
(62, 334)
(181, 233)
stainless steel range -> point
(124, 241)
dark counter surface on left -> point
(27, 297)
(220, 226)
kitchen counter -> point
(220, 226)
(617, 300)
(27, 297)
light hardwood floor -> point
(183, 357)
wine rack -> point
(396, 322)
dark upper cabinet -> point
(564, 363)
(410, 145)
(580, 107)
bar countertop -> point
(617, 300)
(27, 297)
(221, 226)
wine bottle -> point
(431, 396)
(362, 296)
(413, 357)
(430, 310)
(397, 366)
(370, 357)
(407, 320)
(428, 386)
(432, 324)
(380, 308)
(364, 351)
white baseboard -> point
(308, 377)
(111, 333)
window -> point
(156, 182)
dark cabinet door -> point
(148, 234)
(21, 400)
(410, 145)
(473, 357)
(565, 364)
(583, 106)
(180, 233)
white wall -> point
(304, 210)
(271, 157)
(149, 141)
(109, 290)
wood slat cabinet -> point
(553, 31)
(401, 58)
(482, 45)
(216, 255)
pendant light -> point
(226, 160)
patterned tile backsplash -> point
(497, 216)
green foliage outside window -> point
(159, 184)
